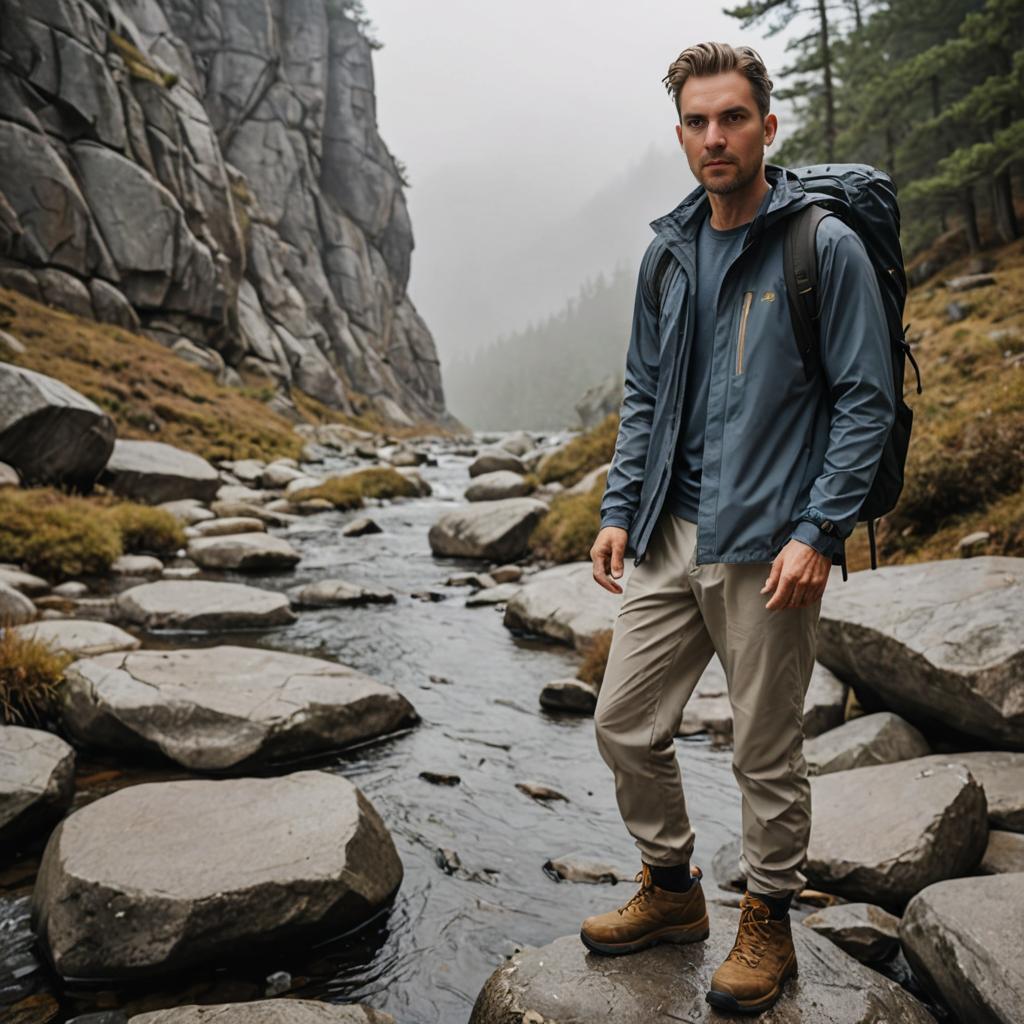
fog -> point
(539, 142)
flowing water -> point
(476, 686)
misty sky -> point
(509, 118)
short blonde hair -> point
(716, 59)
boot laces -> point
(642, 895)
(752, 938)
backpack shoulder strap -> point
(657, 261)
(800, 257)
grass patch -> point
(583, 453)
(139, 65)
(62, 536)
(349, 491)
(567, 532)
(30, 678)
(595, 658)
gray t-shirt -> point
(715, 252)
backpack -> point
(865, 199)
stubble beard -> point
(741, 181)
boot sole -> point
(674, 935)
(725, 1001)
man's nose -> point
(714, 137)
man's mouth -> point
(718, 163)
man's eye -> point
(735, 117)
(694, 122)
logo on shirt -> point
(768, 297)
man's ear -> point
(771, 126)
(679, 136)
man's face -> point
(721, 131)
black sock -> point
(778, 906)
(676, 878)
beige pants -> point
(673, 617)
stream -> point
(425, 957)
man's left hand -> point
(798, 577)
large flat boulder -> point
(881, 834)
(203, 605)
(243, 552)
(564, 982)
(154, 472)
(49, 432)
(203, 869)
(563, 604)
(222, 708)
(37, 780)
(881, 738)
(936, 641)
(84, 638)
(267, 1011)
(503, 483)
(1001, 774)
(964, 940)
(863, 930)
(496, 530)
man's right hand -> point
(607, 555)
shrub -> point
(149, 529)
(567, 532)
(595, 658)
(345, 492)
(30, 677)
(583, 453)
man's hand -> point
(798, 576)
(607, 554)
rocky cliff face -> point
(211, 170)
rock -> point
(224, 708)
(24, 582)
(283, 860)
(229, 495)
(203, 605)
(709, 708)
(49, 432)
(726, 866)
(271, 513)
(243, 552)
(599, 401)
(540, 792)
(564, 604)
(8, 474)
(71, 588)
(881, 738)
(279, 475)
(935, 641)
(37, 781)
(969, 282)
(423, 489)
(928, 822)
(154, 472)
(963, 939)
(576, 867)
(407, 457)
(589, 481)
(563, 981)
(136, 565)
(957, 311)
(569, 695)
(360, 527)
(15, 607)
(189, 511)
(518, 443)
(476, 580)
(491, 460)
(229, 525)
(267, 1011)
(493, 595)
(1004, 853)
(866, 932)
(440, 778)
(495, 530)
(249, 471)
(1001, 774)
(824, 703)
(80, 637)
(182, 572)
(973, 543)
(327, 593)
(506, 574)
(497, 485)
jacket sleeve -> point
(857, 363)
(625, 475)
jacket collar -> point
(785, 196)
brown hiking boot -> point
(751, 977)
(652, 915)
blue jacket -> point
(776, 446)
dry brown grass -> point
(30, 677)
(583, 453)
(345, 492)
(567, 532)
(595, 658)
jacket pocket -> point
(741, 341)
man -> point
(735, 482)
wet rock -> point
(569, 695)
(563, 981)
(81, 637)
(243, 552)
(37, 780)
(283, 860)
(154, 472)
(493, 595)
(229, 495)
(497, 485)
(928, 822)
(15, 607)
(518, 443)
(249, 471)
(476, 580)
(563, 604)
(136, 565)
(203, 605)
(589, 481)
(539, 791)
(224, 708)
(487, 529)
(182, 572)
(825, 702)
(24, 582)
(49, 432)
(726, 866)
(507, 574)
(326, 593)
(866, 932)
(577, 867)
(964, 941)
(189, 511)
(268, 1011)
(423, 489)
(280, 475)
(1001, 774)
(934, 641)
(491, 460)
(71, 588)
(881, 738)
(1004, 853)
(360, 527)
(228, 525)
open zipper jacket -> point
(776, 446)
